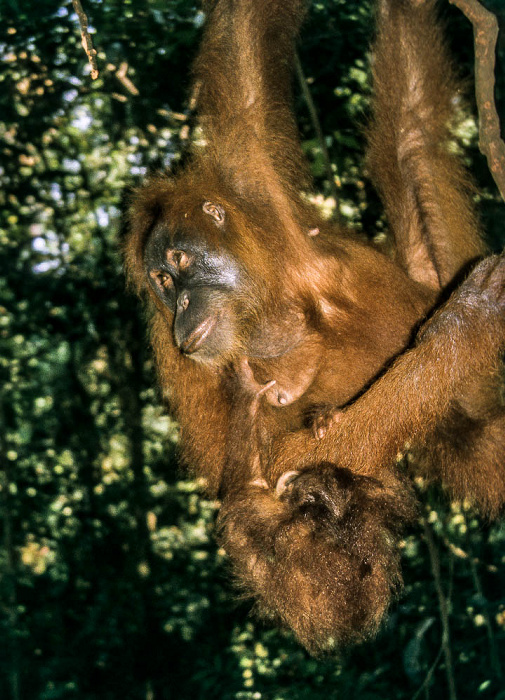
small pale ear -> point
(216, 211)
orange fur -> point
(301, 385)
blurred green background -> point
(111, 585)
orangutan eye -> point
(161, 279)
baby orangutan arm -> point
(325, 568)
(243, 467)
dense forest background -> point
(111, 585)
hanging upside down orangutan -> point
(300, 361)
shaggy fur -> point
(288, 349)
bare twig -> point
(317, 128)
(121, 75)
(461, 554)
(87, 43)
(485, 31)
(442, 605)
(493, 651)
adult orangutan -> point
(299, 360)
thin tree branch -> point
(427, 679)
(493, 651)
(485, 32)
(87, 43)
(121, 75)
(442, 605)
(316, 124)
(461, 554)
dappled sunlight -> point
(112, 585)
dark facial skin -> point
(198, 285)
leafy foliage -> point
(111, 585)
